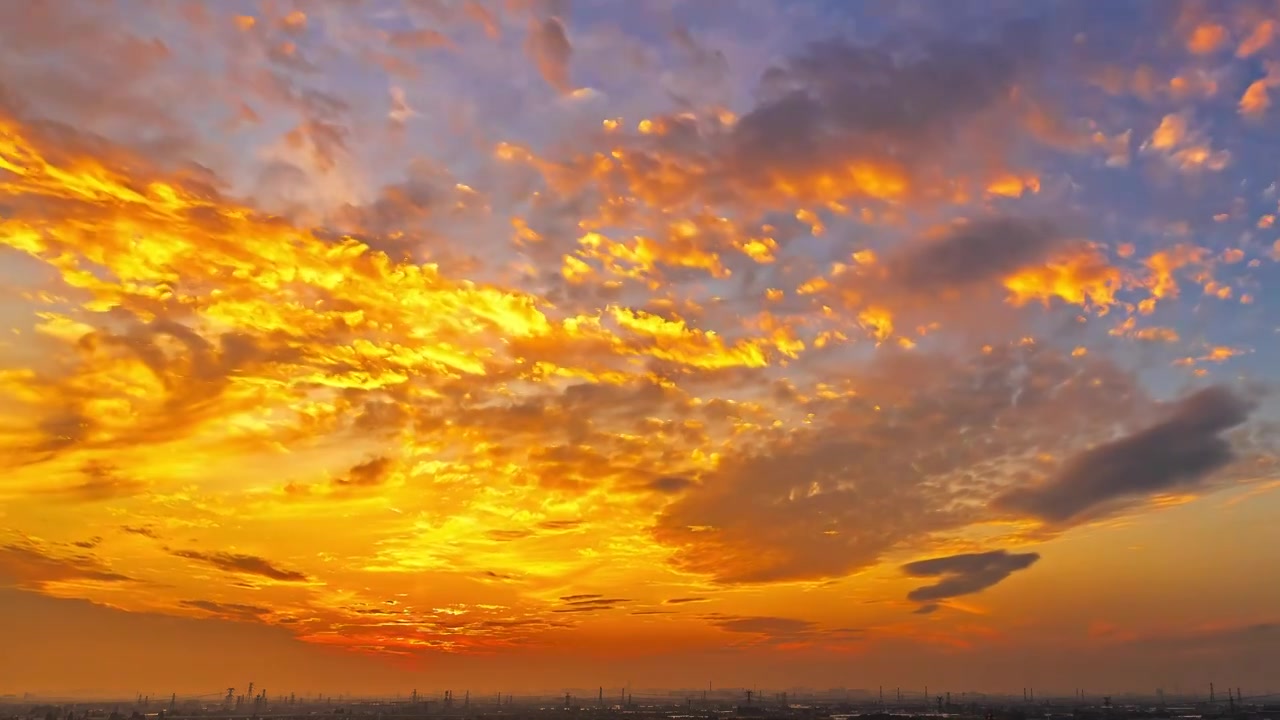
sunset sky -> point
(516, 345)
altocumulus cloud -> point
(903, 459)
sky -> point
(523, 345)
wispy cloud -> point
(28, 564)
(245, 564)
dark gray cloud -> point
(922, 447)
(837, 100)
(973, 252)
(28, 565)
(550, 50)
(1179, 451)
(239, 563)
(669, 485)
(964, 574)
(686, 600)
(588, 603)
(370, 473)
(235, 610)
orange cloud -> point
(1186, 149)
(1256, 98)
(1082, 278)
(1259, 37)
(542, 391)
(1162, 266)
(1207, 38)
